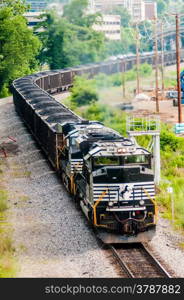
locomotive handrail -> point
(95, 206)
(154, 203)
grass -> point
(20, 174)
(172, 169)
(164, 198)
(181, 245)
(7, 261)
(3, 200)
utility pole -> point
(137, 58)
(122, 69)
(156, 66)
(162, 59)
(123, 79)
(178, 68)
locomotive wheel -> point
(76, 200)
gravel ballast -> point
(52, 237)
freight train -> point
(109, 176)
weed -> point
(7, 264)
(3, 200)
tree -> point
(161, 6)
(75, 13)
(66, 44)
(124, 14)
(126, 45)
(18, 7)
(18, 46)
(146, 33)
(83, 92)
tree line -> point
(18, 46)
(61, 41)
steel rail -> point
(157, 263)
(154, 263)
(121, 263)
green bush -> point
(7, 263)
(98, 112)
(130, 75)
(165, 199)
(4, 92)
(83, 92)
(168, 140)
(3, 200)
(145, 69)
(116, 79)
(111, 117)
(170, 83)
(102, 81)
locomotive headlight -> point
(111, 203)
(141, 202)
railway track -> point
(136, 261)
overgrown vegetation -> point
(3, 201)
(172, 159)
(70, 40)
(83, 92)
(7, 263)
(18, 46)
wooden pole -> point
(178, 69)
(123, 80)
(162, 57)
(156, 67)
(137, 60)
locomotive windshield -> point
(131, 160)
(106, 161)
(136, 159)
